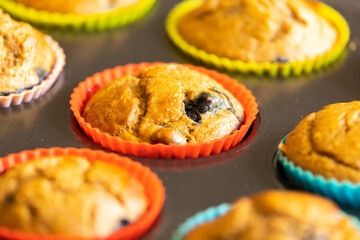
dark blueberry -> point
(9, 199)
(33, 210)
(17, 91)
(42, 73)
(205, 102)
(124, 222)
(191, 112)
(281, 59)
(5, 93)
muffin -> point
(78, 15)
(259, 36)
(77, 6)
(259, 31)
(279, 215)
(327, 142)
(165, 103)
(69, 196)
(27, 56)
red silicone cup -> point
(87, 88)
(153, 188)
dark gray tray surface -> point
(196, 184)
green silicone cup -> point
(265, 68)
(79, 22)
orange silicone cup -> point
(153, 188)
(87, 88)
(38, 90)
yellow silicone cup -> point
(272, 69)
(79, 22)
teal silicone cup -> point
(345, 193)
(198, 219)
(214, 212)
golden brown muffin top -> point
(259, 30)
(279, 215)
(165, 103)
(69, 195)
(328, 142)
(77, 6)
(25, 56)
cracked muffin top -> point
(327, 142)
(259, 30)
(25, 56)
(279, 215)
(165, 103)
(77, 6)
(69, 195)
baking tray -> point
(195, 184)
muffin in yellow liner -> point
(117, 17)
(271, 68)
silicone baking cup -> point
(266, 68)
(79, 22)
(153, 187)
(211, 214)
(345, 193)
(200, 218)
(38, 90)
(87, 88)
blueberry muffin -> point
(77, 6)
(165, 103)
(26, 56)
(279, 215)
(70, 196)
(259, 30)
(328, 142)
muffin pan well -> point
(221, 178)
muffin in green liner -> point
(94, 21)
(248, 56)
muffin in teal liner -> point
(269, 215)
(344, 193)
(322, 153)
(200, 218)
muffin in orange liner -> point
(37, 91)
(153, 187)
(87, 88)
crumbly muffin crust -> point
(328, 142)
(165, 103)
(77, 6)
(25, 56)
(279, 215)
(259, 30)
(70, 196)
